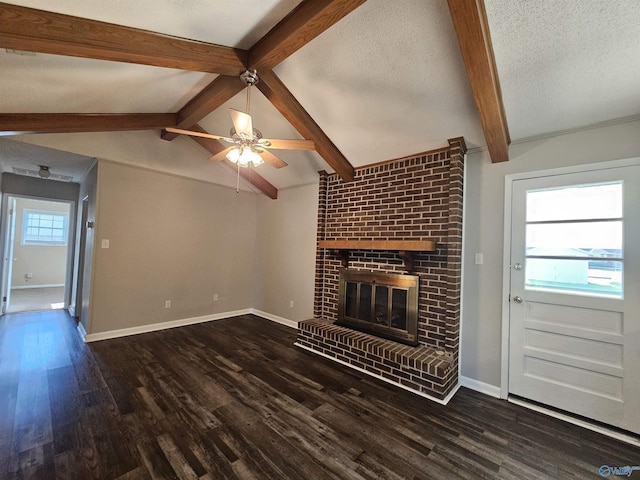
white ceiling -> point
(385, 82)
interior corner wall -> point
(484, 224)
(285, 253)
(170, 238)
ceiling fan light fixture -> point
(234, 155)
(244, 156)
(44, 172)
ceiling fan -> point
(249, 148)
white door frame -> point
(506, 253)
(4, 229)
(9, 214)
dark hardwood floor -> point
(235, 399)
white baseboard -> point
(25, 287)
(443, 401)
(275, 318)
(153, 327)
(576, 421)
(82, 332)
(479, 386)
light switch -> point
(105, 243)
(479, 258)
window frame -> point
(24, 241)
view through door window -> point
(574, 239)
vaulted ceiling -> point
(366, 81)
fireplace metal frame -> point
(408, 283)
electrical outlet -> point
(216, 297)
(167, 304)
(479, 259)
(104, 243)
(291, 304)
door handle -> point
(517, 299)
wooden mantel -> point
(405, 248)
(409, 245)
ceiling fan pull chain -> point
(238, 179)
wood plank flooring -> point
(234, 399)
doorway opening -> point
(36, 254)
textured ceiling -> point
(566, 64)
(384, 82)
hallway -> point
(32, 299)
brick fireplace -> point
(397, 217)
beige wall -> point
(48, 264)
(170, 238)
(484, 226)
(285, 253)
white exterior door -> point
(574, 326)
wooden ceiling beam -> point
(33, 30)
(472, 29)
(221, 90)
(304, 23)
(28, 29)
(214, 147)
(276, 92)
(19, 123)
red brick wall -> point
(416, 198)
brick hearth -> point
(415, 198)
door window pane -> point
(574, 240)
(580, 239)
(577, 202)
(596, 277)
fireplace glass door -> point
(379, 303)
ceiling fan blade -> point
(242, 122)
(220, 155)
(282, 144)
(272, 160)
(197, 134)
